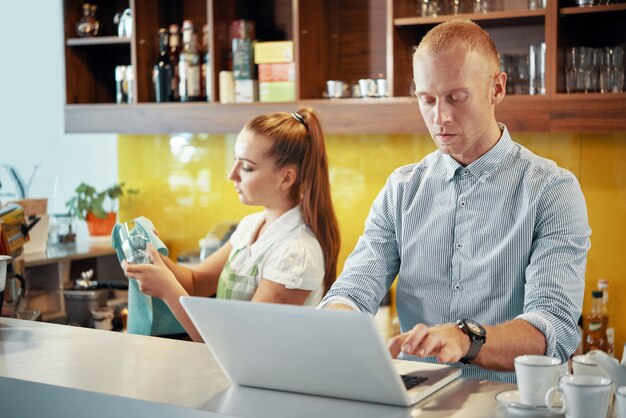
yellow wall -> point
(184, 190)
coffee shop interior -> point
(87, 103)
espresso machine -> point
(13, 235)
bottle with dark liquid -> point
(162, 71)
(595, 325)
(174, 44)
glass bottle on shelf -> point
(206, 62)
(189, 66)
(162, 70)
(88, 25)
(594, 323)
(174, 51)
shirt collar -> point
(482, 168)
(275, 231)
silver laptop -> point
(319, 352)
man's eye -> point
(427, 100)
(458, 97)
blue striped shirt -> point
(505, 237)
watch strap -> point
(475, 346)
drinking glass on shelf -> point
(134, 244)
(578, 69)
(431, 7)
(611, 72)
(523, 74)
(537, 68)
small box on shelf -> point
(272, 52)
(246, 91)
(277, 91)
(279, 71)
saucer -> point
(511, 399)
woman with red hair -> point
(285, 254)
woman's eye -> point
(246, 169)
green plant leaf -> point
(88, 199)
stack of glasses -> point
(592, 70)
(526, 73)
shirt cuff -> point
(543, 325)
(338, 299)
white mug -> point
(620, 398)
(583, 364)
(103, 317)
(583, 396)
(535, 375)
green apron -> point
(238, 286)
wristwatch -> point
(477, 336)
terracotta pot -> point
(98, 226)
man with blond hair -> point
(487, 240)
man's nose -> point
(442, 113)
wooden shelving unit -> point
(333, 40)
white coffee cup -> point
(103, 317)
(535, 375)
(620, 400)
(583, 364)
(583, 396)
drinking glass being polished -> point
(134, 244)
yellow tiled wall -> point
(184, 189)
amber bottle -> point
(595, 325)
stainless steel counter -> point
(86, 248)
(57, 370)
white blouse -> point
(289, 253)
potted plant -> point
(97, 208)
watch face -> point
(474, 327)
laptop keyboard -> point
(410, 381)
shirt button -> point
(463, 204)
(459, 245)
(457, 286)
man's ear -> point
(289, 175)
(499, 88)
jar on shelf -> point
(88, 25)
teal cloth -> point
(147, 315)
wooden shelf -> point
(389, 115)
(563, 113)
(593, 112)
(98, 40)
(503, 17)
(592, 9)
(342, 52)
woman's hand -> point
(155, 279)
